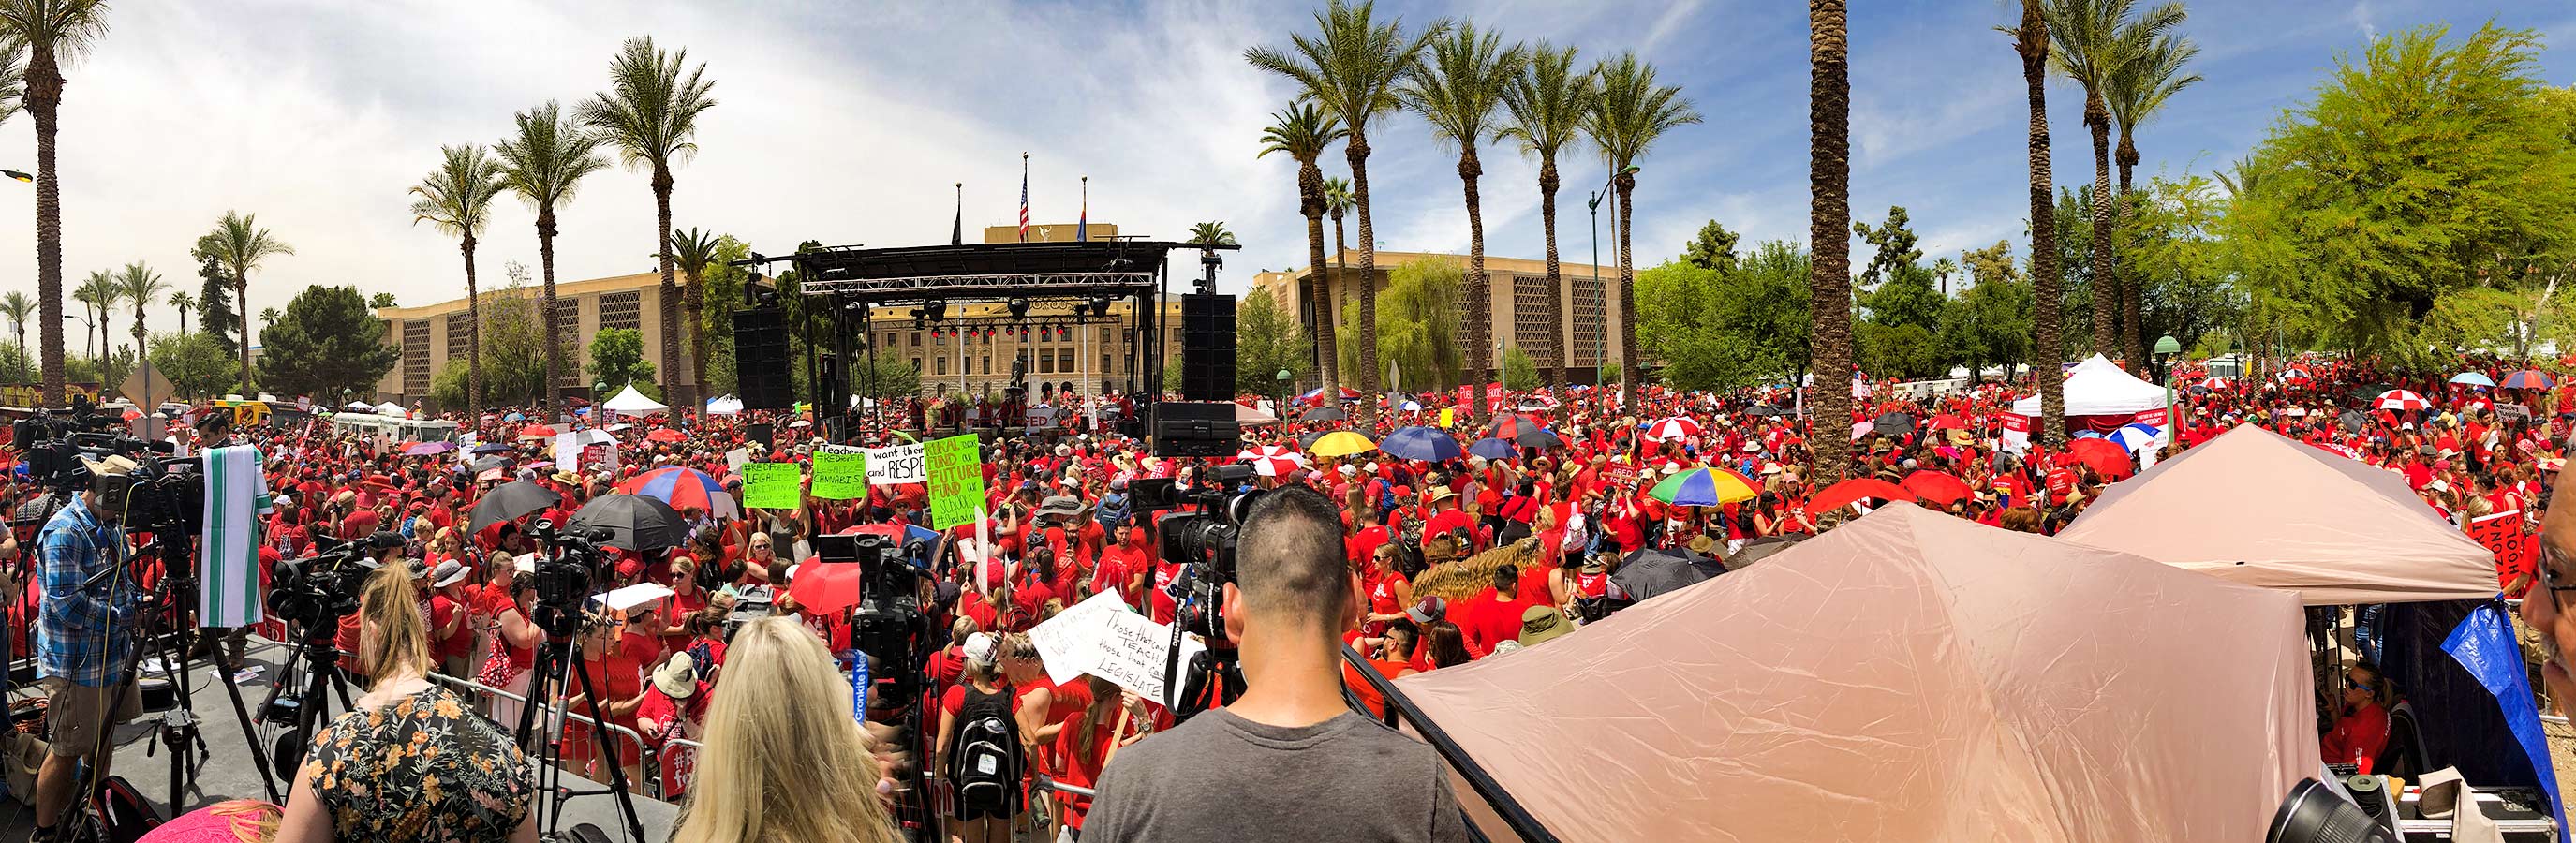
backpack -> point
(125, 816)
(988, 749)
(1112, 512)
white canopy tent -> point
(725, 405)
(2098, 387)
(392, 409)
(631, 401)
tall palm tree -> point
(457, 199)
(2137, 91)
(2030, 42)
(544, 163)
(55, 33)
(239, 245)
(1631, 113)
(1211, 233)
(1456, 89)
(267, 318)
(1547, 102)
(1828, 216)
(2092, 39)
(650, 113)
(140, 285)
(183, 302)
(694, 251)
(1350, 66)
(19, 308)
(1302, 132)
(1337, 202)
(92, 295)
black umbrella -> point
(492, 448)
(634, 522)
(1537, 438)
(1759, 549)
(511, 500)
(484, 464)
(1322, 414)
(1762, 410)
(2354, 420)
(1893, 424)
(1647, 573)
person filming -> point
(1285, 759)
(85, 636)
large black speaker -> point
(761, 375)
(1207, 347)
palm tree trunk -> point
(1319, 297)
(2032, 46)
(1357, 149)
(1332, 304)
(670, 309)
(183, 321)
(473, 330)
(1480, 303)
(693, 302)
(2132, 288)
(1828, 224)
(1551, 350)
(44, 80)
(554, 344)
(2106, 290)
(241, 301)
(1631, 375)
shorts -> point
(980, 807)
(74, 714)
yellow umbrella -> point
(1341, 443)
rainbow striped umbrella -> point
(682, 488)
(1705, 487)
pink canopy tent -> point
(2261, 509)
(1907, 676)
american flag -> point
(1024, 197)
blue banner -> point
(2484, 645)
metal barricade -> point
(645, 761)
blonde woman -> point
(776, 768)
(410, 761)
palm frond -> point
(1632, 111)
(457, 197)
(2154, 74)
(651, 108)
(545, 161)
(239, 244)
(1351, 64)
(1547, 101)
(1459, 84)
(1302, 131)
(67, 27)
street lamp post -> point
(2165, 349)
(1602, 344)
(1283, 377)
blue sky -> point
(846, 123)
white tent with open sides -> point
(2099, 387)
(634, 402)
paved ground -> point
(228, 772)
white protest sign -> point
(898, 464)
(735, 459)
(1066, 642)
(568, 451)
(1100, 637)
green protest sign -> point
(956, 480)
(840, 475)
(771, 485)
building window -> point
(943, 365)
(460, 325)
(1046, 361)
(939, 337)
(888, 343)
(1104, 364)
(988, 364)
(916, 339)
(622, 310)
(1529, 311)
(568, 341)
(415, 357)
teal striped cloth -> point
(236, 497)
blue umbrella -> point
(1494, 449)
(514, 417)
(1428, 444)
(2473, 379)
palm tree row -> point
(1471, 88)
(2129, 63)
(649, 116)
(55, 33)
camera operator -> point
(410, 760)
(1284, 759)
(85, 638)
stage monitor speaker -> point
(835, 394)
(761, 373)
(1207, 347)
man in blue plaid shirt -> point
(84, 635)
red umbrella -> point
(2104, 456)
(1936, 487)
(536, 431)
(827, 587)
(667, 435)
(1946, 421)
(1854, 489)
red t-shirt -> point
(441, 611)
(1488, 622)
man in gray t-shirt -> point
(1289, 761)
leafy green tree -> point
(325, 344)
(240, 246)
(1266, 340)
(1724, 329)
(617, 357)
(1894, 244)
(2422, 167)
(1900, 351)
(1417, 326)
(381, 300)
(15, 365)
(195, 365)
(887, 378)
(1990, 321)
(650, 114)
(1519, 371)
(1714, 248)
(723, 286)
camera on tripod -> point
(164, 494)
(317, 591)
(565, 574)
(1204, 543)
(887, 625)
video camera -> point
(1204, 543)
(165, 495)
(888, 624)
(317, 591)
(565, 574)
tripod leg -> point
(608, 743)
(258, 754)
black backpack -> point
(988, 749)
(124, 813)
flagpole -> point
(1082, 224)
(957, 230)
(1024, 197)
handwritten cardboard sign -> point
(840, 473)
(898, 464)
(771, 485)
(956, 477)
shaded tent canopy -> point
(631, 401)
(2261, 509)
(1908, 676)
(2099, 387)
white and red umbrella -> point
(2213, 382)
(2294, 373)
(1669, 429)
(1272, 460)
(2400, 400)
